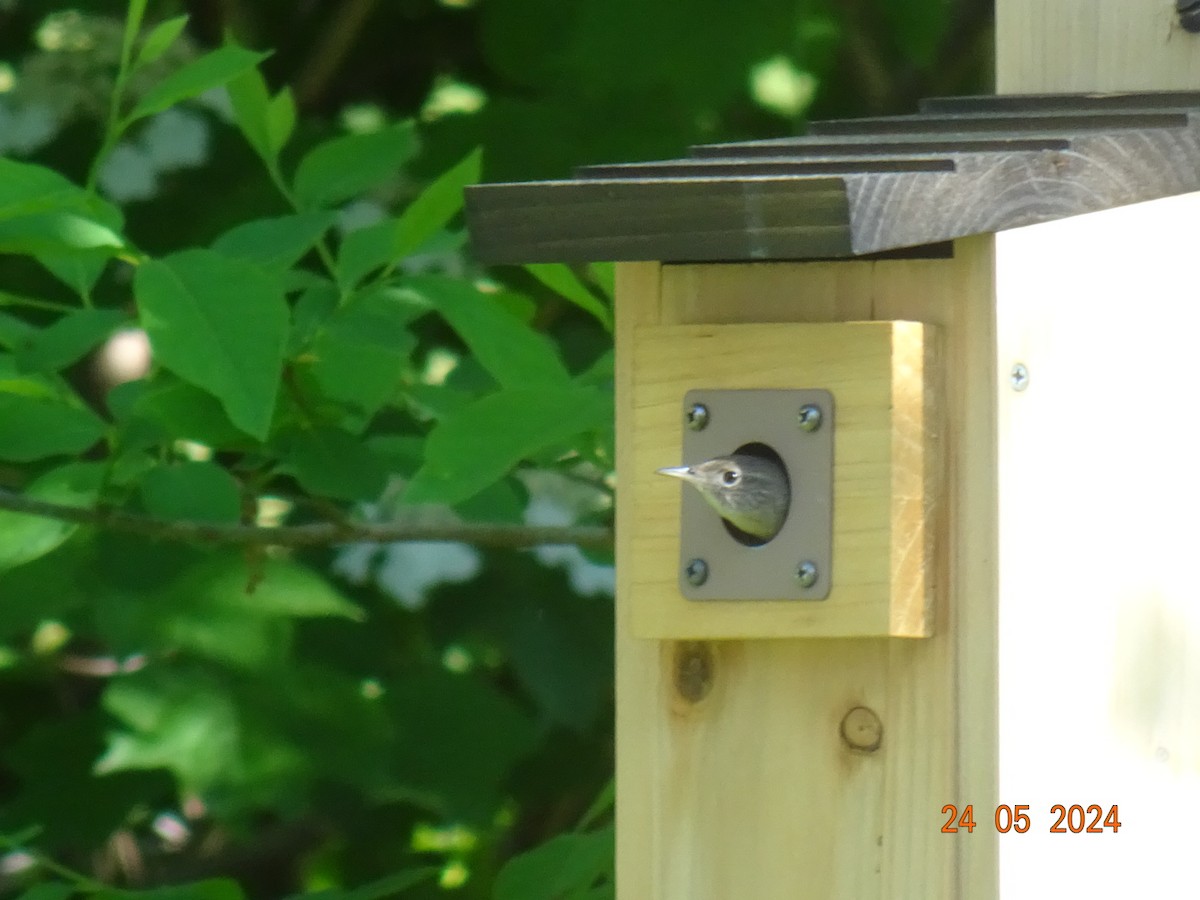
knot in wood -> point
(694, 666)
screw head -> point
(696, 572)
(696, 417)
(809, 417)
(862, 730)
(806, 574)
(1019, 377)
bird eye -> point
(730, 477)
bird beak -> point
(684, 472)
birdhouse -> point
(964, 664)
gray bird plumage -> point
(749, 492)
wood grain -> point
(750, 790)
(857, 186)
(882, 378)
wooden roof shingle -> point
(855, 187)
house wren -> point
(751, 493)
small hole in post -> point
(759, 450)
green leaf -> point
(36, 427)
(133, 24)
(200, 491)
(478, 446)
(285, 590)
(274, 244)
(49, 890)
(52, 760)
(27, 189)
(364, 250)
(392, 884)
(71, 231)
(360, 353)
(436, 205)
(159, 40)
(563, 865)
(604, 274)
(600, 892)
(213, 889)
(393, 239)
(560, 279)
(401, 452)
(43, 213)
(312, 309)
(182, 721)
(297, 280)
(383, 889)
(28, 537)
(78, 270)
(281, 119)
(251, 101)
(129, 466)
(503, 501)
(190, 625)
(219, 608)
(557, 652)
(184, 411)
(209, 71)
(52, 233)
(13, 331)
(436, 401)
(221, 324)
(603, 803)
(460, 740)
(333, 463)
(512, 352)
(600, 372)
(345, 167)
(68, 340)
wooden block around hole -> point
(887, 468)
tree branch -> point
(314, 534)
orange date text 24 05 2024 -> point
(1073, 819)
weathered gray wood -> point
(713, 219)
(854, 146)
(1004, 122)
(992, 192)
(693, 168)
(1063, 102)
(861, 192)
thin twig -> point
(345, 27)
(313, 534)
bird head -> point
(751, 493)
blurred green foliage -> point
(235, 288)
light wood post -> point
(735, 777)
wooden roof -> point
(852, 187)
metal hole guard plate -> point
(769, 571)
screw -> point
(696, 572)
(862, 730)
(806, 574)
(809, 417)
(697, 417)
(1019, 377)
